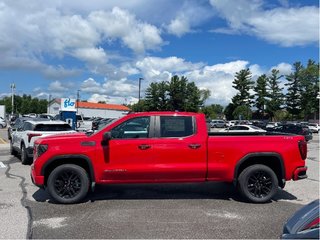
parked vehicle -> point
(314, 127)
(22, 139)
(3, 122)
(243, 128)
(294, 129)
(158, 147)
(16, 124)
(217, 124)
(304, 224)
(83, 123)
(231, 123)
(272, 125)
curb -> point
(5, 146)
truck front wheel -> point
(258, 183)
(68, 183)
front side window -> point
(133, 128)
(176, 126)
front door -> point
(129, 154)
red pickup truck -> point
(156, 147)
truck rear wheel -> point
(68, 183)
(258, 183)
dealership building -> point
(90, 109)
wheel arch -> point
(270, 159)
(80, 160)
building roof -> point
(92, 105)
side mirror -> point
(106, 138)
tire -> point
(12, 151)
(1, 126)
(68, 183)
(24, 156)
(258, 183)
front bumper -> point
(300, 173)
(36, 180)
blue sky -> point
(103, 47)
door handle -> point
(194, 146)
(144, 147)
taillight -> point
(31, 135)
(314, 224)
(303, 149)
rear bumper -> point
(300, 173)
(36, 180)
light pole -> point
(139, 88)
(13, 86)
(78, 97)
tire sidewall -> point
(24, 156)
(83, 175)
(243, 183)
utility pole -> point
(13, 86)
(49, 103)
(139, 88)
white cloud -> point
(284, 68)
(179, 26)
(91, 86)
(138, 36)
(56, 86)
(98, 98)
(91, 55)
(287, 27)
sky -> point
(100, 49)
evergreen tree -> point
(275, 95)
(261, 94)
(243, 83)
(293, 96)
(310, 90)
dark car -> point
(304, 224)
(294, 129)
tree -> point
(275, 94)
(309, 88)
(261, 94)
(293, 96)
(213, 111)
(25, 104)
(243, 83)
(228, 111)
(176, 95)
(242, 112)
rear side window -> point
(52, 127)
(176, 126)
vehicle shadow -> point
(209, 190)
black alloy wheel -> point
(68, 183)
(258, 183)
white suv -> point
(22, 139)
(3, 123)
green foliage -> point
(243, 112)
(261, 94)
(293, 97)
(228, 111)
(25, 104)
(213, 111)
(281, 115)
(275, 95)
(176, 95)
(243, 84)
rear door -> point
(180, 153)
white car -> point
(243, 129)
(314, 127)
(22, 139)
(3, 123)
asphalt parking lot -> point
(206, 210)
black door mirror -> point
(106, 138)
